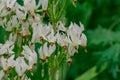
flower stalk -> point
(56, 44)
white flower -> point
(83, 40)
(7, 63)
(34, 19)
(4, 63)
(44, 30)
(51, 37)
(11, 61)
(12, 37)
(3, 21)
(74, 32)
(62, 39)
(6, 6)
(24, 77)
(46, 51)
(21, 13)
(44, 4)
(1, 74)
(20, 66)
(25, 31)
(30, 55)
(71, 50)
(12, 23)
(7, 48)
(41, 54)
(35, 35)
(61, 26)
(40, 32)
(10, 4)
(33, 8)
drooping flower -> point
(7, 63)
(46, 51)
(6, 6)
(7, 48)
(71, 50)
(44, 5)
(40, 32)
(21, 13)
(61, 26)
(1, 74)
(31, 9)
(30, 55)
(51, 37)
(62, 39)
(13, 23)
(74, 32)
(83, 41)
(20, 66)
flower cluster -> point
(25, 27)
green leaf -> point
(102, 35)
(111, 56)
(91, 73)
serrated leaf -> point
(111, 56)
(102, 35)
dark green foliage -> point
(101, 19)
(102, 27)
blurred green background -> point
(101, 19)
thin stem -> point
(62, 9)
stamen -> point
(8, 9)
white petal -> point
(83, 40)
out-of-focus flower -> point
(11, 62)
(36, 18)
(40, 32)
(25, 32)
(4, 64)
(24, 77)
(10, 4)
(12, 24)
(83, 41)
(35, 34)
(20, 66)
(62, 39)
(61, 26)
(46, 51)
(31, 9)
(1, 74)
(7, 63)
(51, 37)
(44, 5)
(74, 2)
(30, 55)
(7, 48)
(71, 50)
(75, 32)
(6, 6)
(21, 14)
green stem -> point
(62, 9)
(53, 71)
